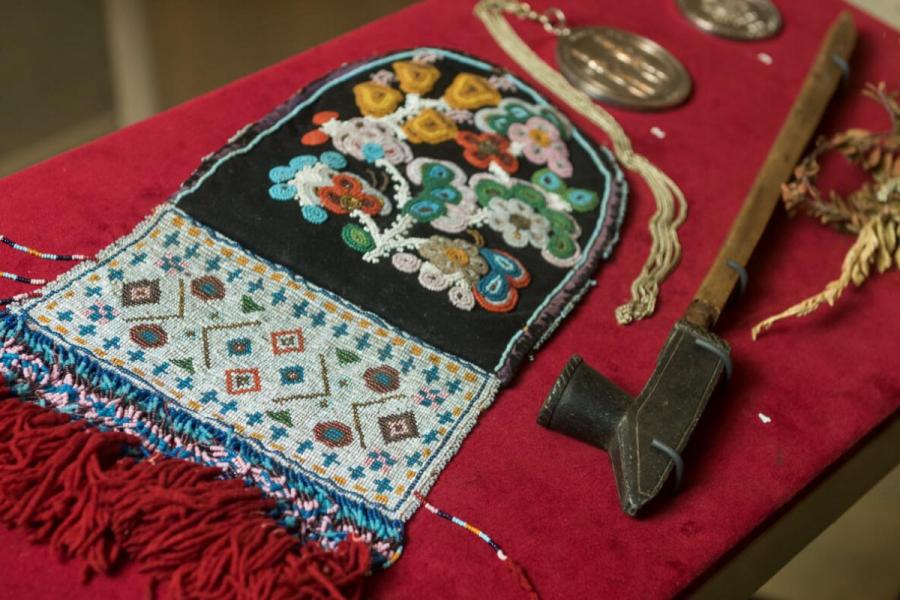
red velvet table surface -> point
(825, 381)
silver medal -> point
(735, 19)
(622, 68)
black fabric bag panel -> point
(230, 194)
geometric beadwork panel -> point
(318, 384)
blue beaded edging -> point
(170, 418)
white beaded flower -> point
(518, 222)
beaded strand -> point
(457, 521)
(19, 297)
(32, 280)
(21, 279)
(38, 253)
(514, 567)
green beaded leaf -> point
(435, 175)
(582, 200)
(529, 195)
(560, 222)
(488, 189)
(548, 180)
(282, 416)
(357, 238)
(425, 208)
(561, 246)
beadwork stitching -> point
(83, 389)
(388, 365)
(525, 213)
(68, 337)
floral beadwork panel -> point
(431, 188)
(315, 382)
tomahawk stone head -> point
(644, 436)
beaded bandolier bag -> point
(328, 303)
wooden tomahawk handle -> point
(818, 87)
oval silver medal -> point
(622, 68)
(735, 19)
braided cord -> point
(671, 206)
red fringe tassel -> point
(198, 535)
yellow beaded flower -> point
(469, 92)
(430, 127)
(375, 99)
(416, 78)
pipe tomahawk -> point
(645, 436)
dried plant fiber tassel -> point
(855, 269)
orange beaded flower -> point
(347, 195)
(481, 149)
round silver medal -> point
(735, 19)
(622, 68)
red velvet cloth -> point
(825, 381)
